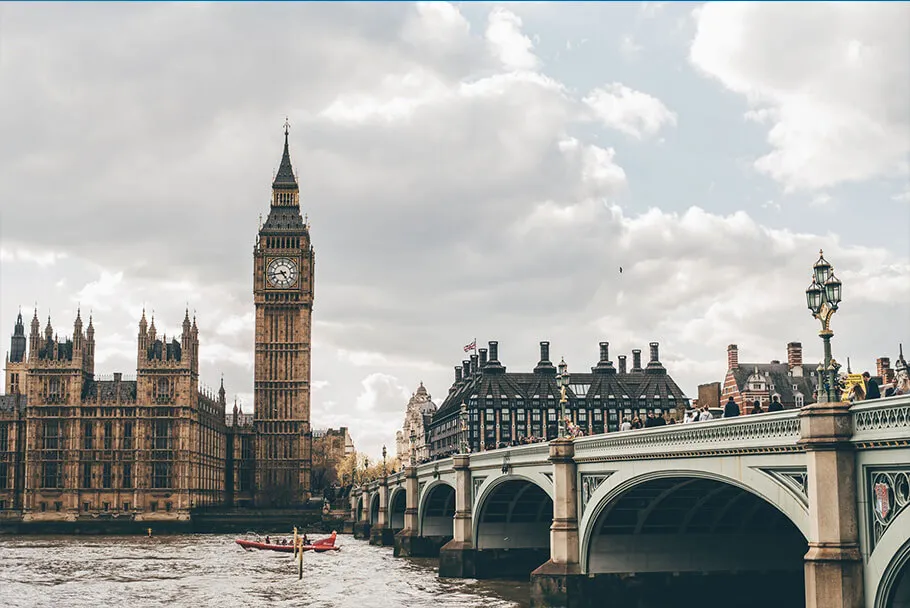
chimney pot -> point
(466, 368)
(622, 364)
(483, 356)
(118, 376)
(604, 351)
(655, 355)
(494, 350)
(732, 357)
(475, 368)
(457, 373)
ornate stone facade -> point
(75, 445)
(417, 418)
(283, 267)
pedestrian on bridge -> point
(731, 409)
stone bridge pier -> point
(381, 531)
(362, 516)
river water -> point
(211, 570)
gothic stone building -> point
(504, 407)
(417, 419)
(77, 446)
(74, 445)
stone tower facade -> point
(283, 266)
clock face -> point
(282, 272)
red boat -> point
(319, 546)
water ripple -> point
(207, 570)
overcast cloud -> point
(469, 171)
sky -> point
(472, 170)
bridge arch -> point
(888, 569)
(681, 530)
(511, 526)
(436, 509)
(374, 508)
(397, 506)
(358, 510)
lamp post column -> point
(833, 564)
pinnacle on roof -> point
(285, 176)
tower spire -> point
(285, 179)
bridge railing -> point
(757, 433)
(534, 453)
(882, 420)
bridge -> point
(801, 507)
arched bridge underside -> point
(667, 541)
(512, 529)
(397, 505)
(374, 509)
(437, 511)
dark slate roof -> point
(106, 390)
(282, 219)
(285, 178)
(64, 350)
(9, 403)
(493, 386)
(779, 376)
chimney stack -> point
(654, 352)
(544, 352)
(732, 357)
(794, 354)
(883, 370)
(475, 368)
(604, 352)
(457, 373)
(622, 364)
(636, 359)
(494, 350)
(483, 357)
(466, 369)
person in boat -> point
(306, 541)
(267, 541)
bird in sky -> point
(620, 270)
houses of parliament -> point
(75, 446)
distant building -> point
(330, 447)
(792, 382)
(507, 407)
(417, 418)
(709, 395)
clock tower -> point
(283, 262)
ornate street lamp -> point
(384, 473)
(413, 447)
(464, 428)
(823, 296)
(562, 380)
(354, 471)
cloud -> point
(830, 81)
(635, 113)
(629, 47)
(508, 43)
(457, 187)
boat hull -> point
(318, 546)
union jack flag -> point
(471, 346)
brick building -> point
(793, 382)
